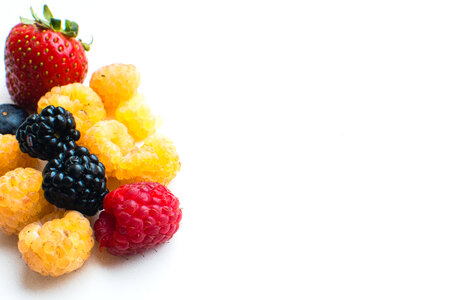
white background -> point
(314, 138)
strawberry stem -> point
(55, 24)
(47, 13)
(70, 27)
(87, 46)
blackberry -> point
(48, 134)
(11, 116)
(75, 180)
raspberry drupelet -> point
(157, 160)
(137, 217)
(9, 148)
(136, 115)
(21, 199)
(57, 244)
(110, 141)
(84, 104)
(115, 84)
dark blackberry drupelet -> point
(75, 180)
(48, 134)
(11, 116)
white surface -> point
(314, 137)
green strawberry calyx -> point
(70, 27)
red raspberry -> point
(137, 217)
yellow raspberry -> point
(109, 140)
(21, 199)
(157, 160)
(113, 183)
(115, 83)
(85, 105)
(58, 244)
(12, 157)
(137, 116)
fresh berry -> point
(47, 134)
(40, 55)
(137, 116)
(21, 199)
(137, 217)
(110, 141)
(157, 160)
(12, 157)
(75, 180)
(58, 244)
(11, 116)
(115, 83)
(85, 105)
(113, 183)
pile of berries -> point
(100, 149)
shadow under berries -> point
(35, 281)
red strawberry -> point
(39, 55)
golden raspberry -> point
(109, 140)
(137, 116)
(115, 83)
(113, 183)
(21, 199)
(157, 160)
(12, 157)
(85, 105)
(58, 244)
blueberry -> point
(11, 116)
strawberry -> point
(40, 55)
